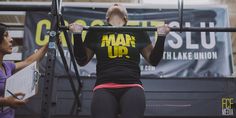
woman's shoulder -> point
(9, 64)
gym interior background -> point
(18, 18)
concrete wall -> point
(232, 12)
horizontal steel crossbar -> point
(175, 29)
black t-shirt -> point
(118, 55)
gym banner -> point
(187, 54)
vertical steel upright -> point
(48, 87)
(46, 106)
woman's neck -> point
(116, 20)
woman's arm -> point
(82, 54)
(12, 101)
(154, 55)
(34, 57)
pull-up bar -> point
(174, 29)
(24, 7)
